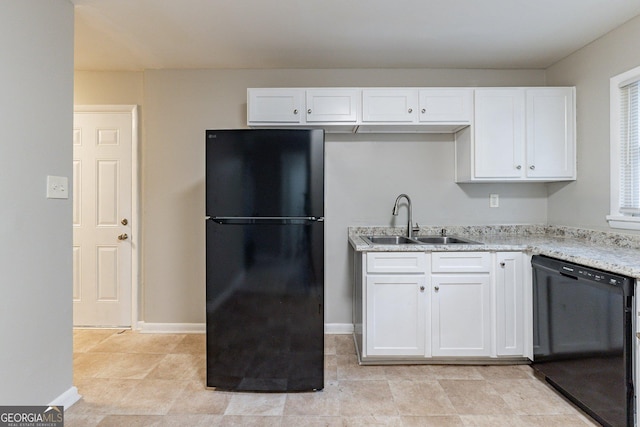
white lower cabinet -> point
(395, 315)
(460, 315)
(509, 279)
(394, 304)
(461, 304)
(421, 306)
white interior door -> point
(102, 218)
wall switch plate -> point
(57, 187)
(494, 200)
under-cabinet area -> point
(444, 307)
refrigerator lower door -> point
(265, 323)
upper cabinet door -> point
(332, 105)
(389, 105)
(446, 105)
(499, 133)
(550, 133)
(275, 105)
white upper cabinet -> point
(445, 105)
(275, 105)
(416, 110)
(362, 110)
(550, 133)
(389, 105)
(519, 134)
(334, 109)
(499, 133)
(332, 105)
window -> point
(625, 150)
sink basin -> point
(444, 240)
(425, 240)
(388, 240)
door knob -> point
(123, 236)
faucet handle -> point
(416, 228)
(443, 232)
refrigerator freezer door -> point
(265, 173)
(265, 322)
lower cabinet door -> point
(461, 315)
(509, 304)
(395, 315)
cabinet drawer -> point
(461, 262)
(397, 262)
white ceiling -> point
(156, 34)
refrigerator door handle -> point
(240, 220)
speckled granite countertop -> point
(614, 252)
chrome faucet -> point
(410, 220)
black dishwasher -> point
(583, 337)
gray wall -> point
(364, 173)
(585, 202)
(36, 41)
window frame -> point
(615, 218)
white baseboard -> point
(200, 328)
(338, 328)
(66, 399)
(171, 328)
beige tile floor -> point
(133, 379)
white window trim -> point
(615, 219)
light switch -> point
(57, 187)
(494, 200)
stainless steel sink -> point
(388, 240)
(444, 240)
(424, 240)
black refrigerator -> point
(265, 259)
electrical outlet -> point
(57, 187)
(494, 200)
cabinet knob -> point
(437, 288)
(295, 111)
(532, 167)
(424, 110)
(519, 167)
(502, 264)
(410, 110)
(421, 288)
(309, 111)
